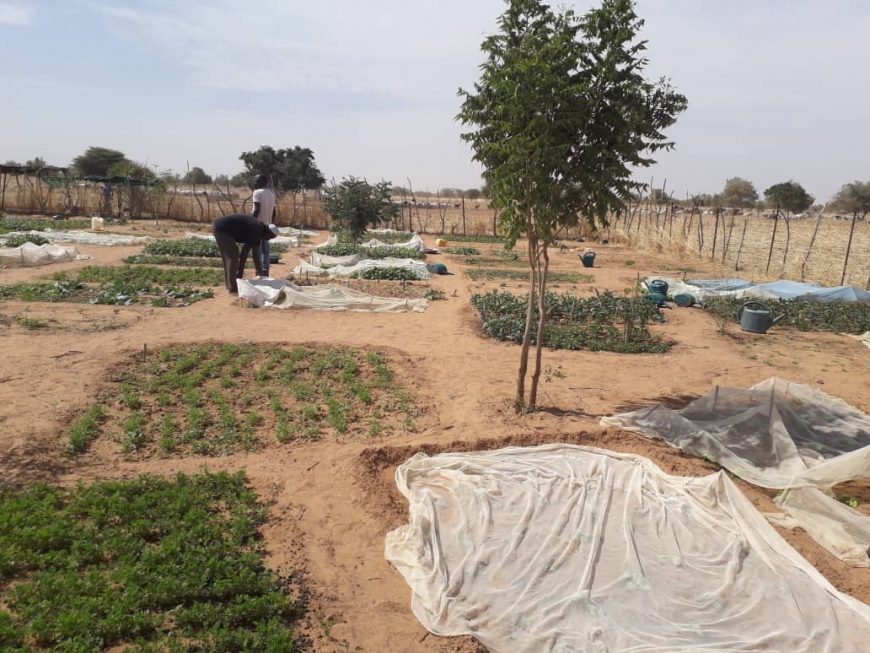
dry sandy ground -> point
(333, 502)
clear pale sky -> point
(777, 89)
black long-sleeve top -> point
(248, 231)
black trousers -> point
(230, 255)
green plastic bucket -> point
(659, 286)
(684, 299)
(588, 260)
(657, 298)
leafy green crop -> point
(485, 274)
(470, 238)
(605, 323)
(17, 224)
(18, 241)
(197, 247)
(463, 251)
(119, 285)
(346, 249)
(151, 564)
(840, 317)
(393, 274)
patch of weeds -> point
(133, 437)
(150, 564)
(33, 323)
(86, 429)
(630, 263)
(434, 294)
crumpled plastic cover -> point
(566, 548)
(31, 255)
(278, 293)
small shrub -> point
(86, 429)
(463, 251)
(18, 241)
(388, 274)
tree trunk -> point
(520, 401)
(542, 319)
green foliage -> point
(563, 116)
(34, 224)
(471, 238)
(463, 251)
(355, 205)
(86, 429)
(482, 274)
(133, 170)
(391, 274)
(146, 565)
(217, 399)
(178, 261)
(788, 196)
(840, 317)
(119, 285)
(183, 247)
(288, 170)
(853, 198)
(96, 161)
(345, 249)
(18, 241)
(434, 294)
(739, 193)
(198, 176)
(605, 323)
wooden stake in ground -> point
(812, 242)
(849, 247)
(772, 239)
(740, 248)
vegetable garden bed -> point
(346, 249)
(217, 399)
(32, 224)
(487, 274)
(196, 247)
(119, 285)
(145, 565)
(605, 323)
(840, 317)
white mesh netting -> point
(566, 548)
(778, 435)
(32, 255)
(277, 293)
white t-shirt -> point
(266, 199)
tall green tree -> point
(788, 197)
(853, 198)
(96, 161)
(355, 204)
(35, 162)
(739, 194)
(289, 170)
(197, 175)
(561, 116)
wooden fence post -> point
(849, 247)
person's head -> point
(262, 181)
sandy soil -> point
(333, 502)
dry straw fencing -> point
(826, 249)
(44, 194)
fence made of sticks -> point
(823, 248)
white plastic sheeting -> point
(564, 549)
(85, 237)
(304, 268)
(324, 261)
(703, 289)
(418, 268)
(32, 255)
(416, 243)
(277, 293)
(779, 435)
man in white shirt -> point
(266, 211)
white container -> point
(96, 224)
